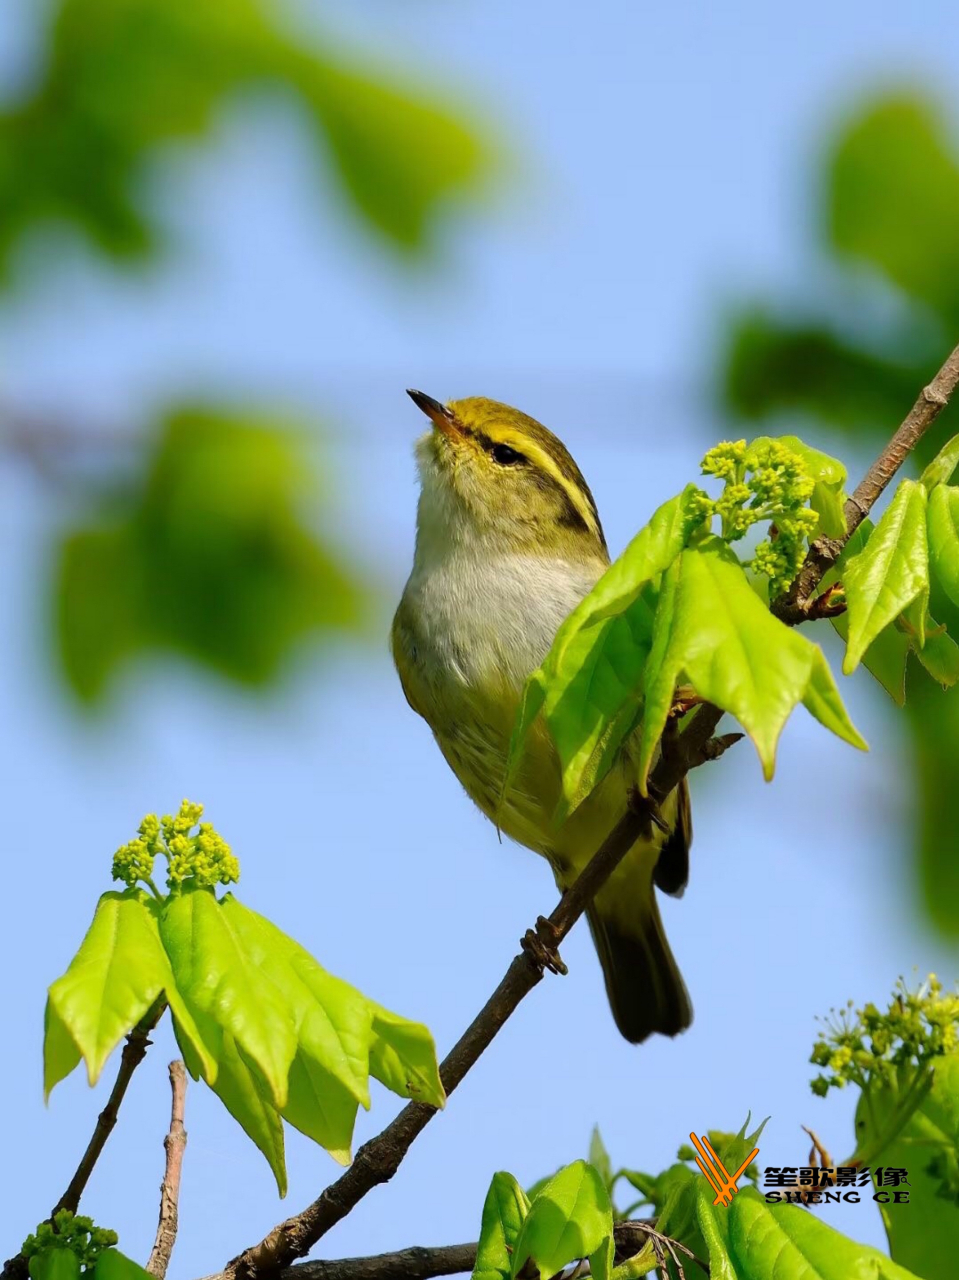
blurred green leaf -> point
(713, 630)
(123, 78)
(774, 364)
(211, 555)
(933, 718)
(893, 199)
(926, 1238)
(570, 1218)
(505, 1208)
(889, 574)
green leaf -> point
(944, 538)
(886, 657)
(829, 475)
(940, 470)
(589, 686)
(924, 1235)
(117, 974)
(334, 1021)
(55, 1263)
(118, 83)
(780, 364)
(403, 1057)
(243, 1091)
(219, 983)
(893, 191)
(504, 1209)
(713, 631)
(570, 1218)
(889, 573)
(713, 1226)
(111, 1264)
(209, 553)
(320, 1106)
(784, 1241)
(400, 156)
(940, 654)
(599, 1158)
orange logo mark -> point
(714, 1170)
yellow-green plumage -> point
(508, 542)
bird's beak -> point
(441, 417)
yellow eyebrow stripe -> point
(542, 459)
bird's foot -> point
(540, 945)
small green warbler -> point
(508, 541)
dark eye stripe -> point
(505, 455)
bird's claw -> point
(540, 945)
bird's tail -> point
(645, 988)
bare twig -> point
(134, 1051)
(174, 1145)
(797, 603)
(377, 1160)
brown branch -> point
(134, 1051)
(798, 603)
(377, 1160)
(174, 1144)
(425, 1263)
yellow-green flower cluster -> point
(203, 857)
(762, 482)
(134, 861)
(863, 1045)
(70, 1231)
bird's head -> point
(494, 475)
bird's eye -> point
(505, 456)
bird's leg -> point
(540, 945)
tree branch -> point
(134, 1051)
(377, 1160)
(426, 1263)
(798, 602)
(174, 1144)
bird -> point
(508, 542)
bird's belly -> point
(466, 638)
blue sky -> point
(663, 159)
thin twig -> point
(174, 1144)
(134, 1051)
(377, 1160)
(795, 605)
(137, 1043)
